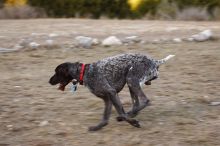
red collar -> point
(82, 71)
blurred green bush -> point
(151, 9)
(1, 3)
(84, 8)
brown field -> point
(33, 113)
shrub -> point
(15, 2)
(166, 10)
(153, 9)
(148, 7)
(21, 12)
(1, 4)
(84, 8)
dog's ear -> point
(63, 69)
(73, 70)
(66, 71)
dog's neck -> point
(81, 71)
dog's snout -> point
(50, 81)
(53, 80)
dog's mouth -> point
(62, 86)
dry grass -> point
(170, 11)
(193, 14)
(217, 14)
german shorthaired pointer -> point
(107, 77)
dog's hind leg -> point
(106, 115)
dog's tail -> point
(162, 61)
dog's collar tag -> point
(73, 86)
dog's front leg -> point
(135, 101)
(136, 91)
(106, 115)
(144, 101)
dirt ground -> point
(33, 113)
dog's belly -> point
(116, 76)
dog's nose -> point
(51, 81)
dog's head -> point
(153, 71)
(152, 74)
(64, 74)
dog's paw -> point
(94, 128)
(98, 127)
(135, 123)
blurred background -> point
(121, 9)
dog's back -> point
(122, 60)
